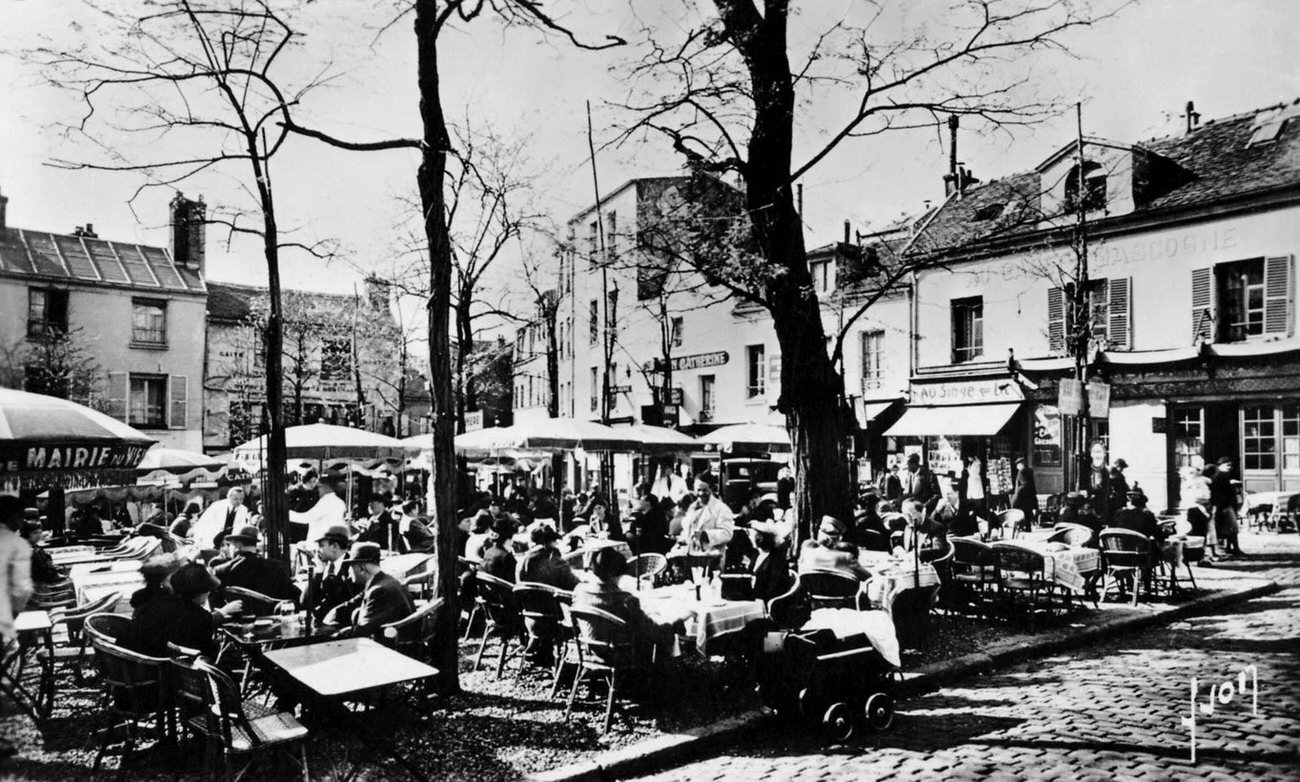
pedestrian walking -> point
(1024, 497)
(1227, 504)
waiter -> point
(220, 518)
(328, 511)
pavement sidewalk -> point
(1219, 589)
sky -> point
(1133, 75)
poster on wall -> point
(944, 454)
(1047, 435)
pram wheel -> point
(838, 722)
(879, 711)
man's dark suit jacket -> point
(384, 600)
(329, 590)
(772, 576)
(250, 571)
(499, 562)
(170, 618)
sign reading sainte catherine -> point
(700, 360)
(52, 458)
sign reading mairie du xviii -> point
(59, 458)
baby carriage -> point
(835, 684)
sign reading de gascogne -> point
(53, 458)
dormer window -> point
(1094, 188)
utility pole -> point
(606, 472)
(1082, 305)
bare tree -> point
(205, 71)
(431, 19)
(728, 97)
(57, 363)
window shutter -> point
(774, 371)
(1203, 302)
(179, 395)
(1121, 308)
(117, 392)
(1277, 295)
(1055, 320)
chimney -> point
(1193, 116)
(377, 290)
(950, 180)
(87, 230)
(846, 232)
(189, 232)
(4, 202)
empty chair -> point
(1074, 536)
(1127, 554)
(1023, 571)
(646, 568)
(136, 691)
(974, 569)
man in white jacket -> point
(709, 524)
(329, 511)
(221, 516)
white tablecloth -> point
(92, 586)
(888, 582)
(1066, 567)
(877, 626)
(705, 619)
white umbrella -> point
(660, 439)
(174, 464)
(749, 437)
(47, 441)
(325, 441)
(561, 434)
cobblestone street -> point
(1110, 713)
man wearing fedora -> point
(382, 600)
(248, 569)
(331, 584)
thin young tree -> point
(732, 97)
(431, 18)
(200, 82)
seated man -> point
(412, 530)
(181, 618)
(382, 600)
(830, 552)
(603, 591)
(543, 563)
(1076, 511)
(331, 584)
(1136, 517)
(248, 569)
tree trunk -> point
(810, 387)
(430, 179)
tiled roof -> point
(1212, 164)
(230, 302)
(49, 256)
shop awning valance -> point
(957, 420)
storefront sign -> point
(1098, 399)
(701, 360)
(966, 393)
(1070, 397)
(620, 389)
(473, 420)
(69, 458)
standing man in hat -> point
(221, 517)
(331, 585)
(708, 524)
(250, 570)
(329, 510)
(382, 599)
(918, 481)
(1024, 496)
(1227, 503)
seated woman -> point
(480, 534)
(830, 552)
(597, 522)
(771, 574)
(52, 587)
(603, 591)
(182, 619)
(543, 563)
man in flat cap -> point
(382, 600)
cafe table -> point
(400, 566)
(1064, 566)
(891, 578)
(33, 628)
(705, 615)
(93, 584)
(345, 667)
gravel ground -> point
(494, 730)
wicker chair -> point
(501, 616)
(136, 691)
(647, 567)
(539, 608)
(1024, 571)
(106, 627)
(608, 649)
(69, 646)
(831, 589)
(210, 706)
(1127, 553)
(1074, 536)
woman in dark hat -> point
(183, 619)
(543, 563)
(155, 571)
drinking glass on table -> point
(286, 611)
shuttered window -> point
(178, 409)
(1203, 315)
(117, 393)
(1119, 328)
(1278, 315)
(1055, 320)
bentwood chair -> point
(1129, 554)
(501, 617)
(831, 588)
(974, 571)
(1024, 571)
(210, 707)
(539, 609)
